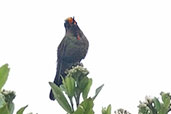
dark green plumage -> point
(72, 49)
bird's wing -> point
(61, 49)
(60, 54)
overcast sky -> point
(130, 49)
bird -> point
(71, 50)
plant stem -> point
(77, 99)
(72, 106)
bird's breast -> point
(76, 49)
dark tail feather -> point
(61, 67)
(57, 80)
(51, 95)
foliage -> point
(106, 110)
(154, 106)
(21, 110)
(75, 84)
(4, 71)
(122, 111)
(86, 107)
(7, 97)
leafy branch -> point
(154, 106)
(75, 84)
(75, 88)
(7, 97)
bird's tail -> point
(58, 82)
(51, 96)
(60, 71)
(57, 79)
(61, 67)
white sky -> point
(130, 49)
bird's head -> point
(70, 23)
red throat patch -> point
(78, 36)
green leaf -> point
(156, 104)
(86, 107)
(69, 85)
(3, 105)
(98, 91)
(144, 110)
(86, 89)
(163, 109)
(59, 96)
(106, 111)
(4, 110)
(103, 110)
(4, 71)
(80, 110)
(2, 100)
(21, 110)
(11, 107)
(166, 99)
(6, 97)
(82, 83)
